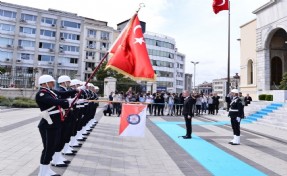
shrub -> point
(28, 103)
(262, 97)
(269, 97)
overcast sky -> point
(199, 33)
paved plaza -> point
(263, 150)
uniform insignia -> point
(41, 94)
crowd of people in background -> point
(170, 103)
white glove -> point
(81, 88)
(79, 101)
(70, 100)
(238, 119)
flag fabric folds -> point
(129, 54)
(219, 5)
(133, 120)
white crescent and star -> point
(138, 40)
(223, 2)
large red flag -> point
(129, 53)
(219, 5)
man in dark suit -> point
(188, 112)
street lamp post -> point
(194, 63)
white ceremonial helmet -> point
(45, 79)
(64, 78)
(90, 85)
(96, 87)
(75, 82)
(235, 91)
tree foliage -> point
(123, 82)
(283, 83)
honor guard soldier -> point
(78, 114)
(52, 114)
(70, 121)
(235, 114)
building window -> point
(90, 54)
(250, 72)
(104, 46)
(7, 27)
(92, 33)
(47, 33)
(5, 55)
(28, 17)
(26, 43)
(27, 30)
(105, 35)
(69, 48)
(46, 45)
(160, 53)
(90, 66)
(25, 56)
(8, 14)
(5, 41)
(91, 44)
(47, 20)
(73, 60)
(159, 43)
(69, 36)
(46, 58)
(70, 24)
(164, 74)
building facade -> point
(265, 64)
(205, 88)
(167, 62)
(219, 86)
(35, 42)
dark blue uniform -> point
(50, 133)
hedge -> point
(262, 97)
(18, 102)
(269, 98)
(265, 97)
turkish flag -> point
(219, 5)
(129, 53)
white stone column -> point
(109, 86)
(263, 69)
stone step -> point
(272, 122)
(271, 125)
(276, 118)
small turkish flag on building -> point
(129, 53)
(219, 5)
(133, 120)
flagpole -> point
(228, 57)
(91, 76)
(141, 5)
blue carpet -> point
(215, 160)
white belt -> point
(233, 110)
(86, 104)
(80, 106)
(55, 111)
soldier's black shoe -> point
(81, 139)
(60, 165)
(69, 154)
(186, 137)
(56, 175)
(235, 143)
(230, 142)
(67, 162)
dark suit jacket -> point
(188, 106)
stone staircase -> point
(267, 113)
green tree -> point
(283, 83)
(123, 82)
